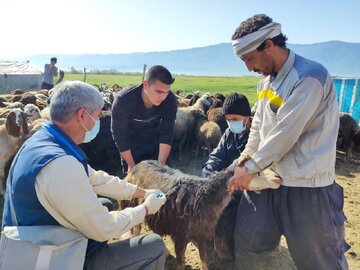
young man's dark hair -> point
(53, 59)
(255, 23)
(159, 73)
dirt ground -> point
(347, 175)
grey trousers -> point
(141, 252)
(311, 219)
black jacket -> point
(229, 148)
(137, 128)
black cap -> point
(236, 104)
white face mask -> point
(91, 134)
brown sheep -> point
(193, 204)
(183, 102)
(208, 133)
(217, 115)
(220, 96)
(12, 135)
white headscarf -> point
(253, 40)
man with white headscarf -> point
(294, 133)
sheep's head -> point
(15, 121)
(32, 111)
(220, 97)
(206, 99)
(41, 97)
(198, 115)
(16, 104)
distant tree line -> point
(111, 71)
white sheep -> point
(16, 104)
(45, 113)
(42, 97)
(203, 103)
(32, 112)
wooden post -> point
(84, 74)
(143, 75)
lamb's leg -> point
(350, 149)
(180, 151)
(180, 247)
(182, 145)
(202, 252)
(347, 144)
(136, 229)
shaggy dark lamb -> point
(193, 204)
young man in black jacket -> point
(143, 119)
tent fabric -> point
(348, 96)
(19, 75)
(17, 67)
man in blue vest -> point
(52, 184)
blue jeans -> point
(47, 86)
(311, 219)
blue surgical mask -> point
(91, 134)
(236, 126)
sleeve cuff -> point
(252, 167)
(133, 191)
(166, 141)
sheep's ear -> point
(25, 127)
(10, 124)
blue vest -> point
(47, 144)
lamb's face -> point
(31, 111)
(206, 100)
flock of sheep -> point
(194, 204)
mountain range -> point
(340, 58)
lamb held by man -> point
(194, 204)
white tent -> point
(19, 75)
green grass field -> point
(188, 84)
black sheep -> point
(349, 131)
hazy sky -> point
(122, 26)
